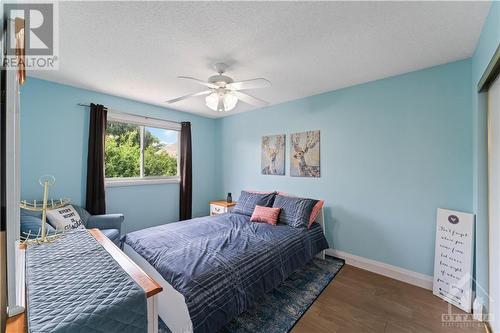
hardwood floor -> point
(361, 301)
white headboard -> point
(320, 219)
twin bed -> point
(214, 268)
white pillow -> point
(65, 218)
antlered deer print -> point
(273, 155)
(305, 154)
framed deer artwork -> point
(304, 154)
(273, 155)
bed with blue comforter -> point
(221, 264)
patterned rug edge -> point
(342, 261)
(309, 306)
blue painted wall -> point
(392, 152)
(486, 47)
(54, 136)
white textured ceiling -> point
(137, 49)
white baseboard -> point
(397, 273)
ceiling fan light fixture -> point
(212, 100)
(229, 101)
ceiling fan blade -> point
(206, 84)
(201, 93)
(249, 84)
(250, 99)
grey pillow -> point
(295, 212)
(31, 225)
(248, 200)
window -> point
(140, 150)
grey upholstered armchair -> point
(109, 224)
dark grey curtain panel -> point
(96, 198)
(186, 173)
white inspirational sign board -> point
(453, 258)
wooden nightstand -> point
(221, 207)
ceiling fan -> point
(223, 93)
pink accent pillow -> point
(268, 215)
(315, 211)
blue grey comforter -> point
(74, 285)
(222, 264)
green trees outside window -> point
(123, 148)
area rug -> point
(278, 311)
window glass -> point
(122, 150)
(160, 152)
(137, 151)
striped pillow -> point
(268, 215)
(314, 212)
(247, 202)
(295, 212)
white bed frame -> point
(320, 219)
(171, 304)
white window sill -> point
(140, 181)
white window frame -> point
(146, 122)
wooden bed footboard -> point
(17, 324)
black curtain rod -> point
(88, 105)
(131, 114)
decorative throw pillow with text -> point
(65, 218)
